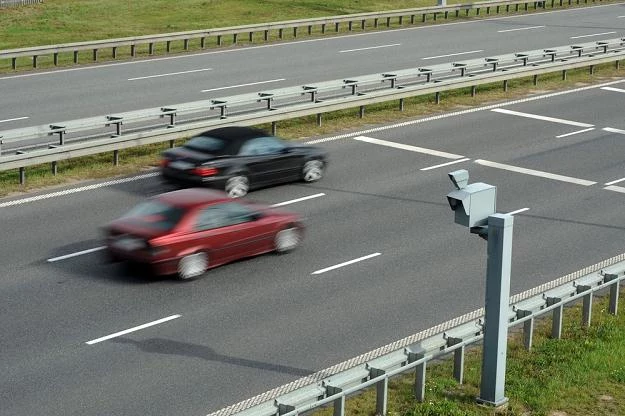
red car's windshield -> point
(155, 215)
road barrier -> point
(271, 106)
(332, 385)
(15, 3)
(360, 20)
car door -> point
(227, 231)
(269, 160)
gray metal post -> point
(614, 290)
(587, 304)
(419, 384)
(381, 389)
(556, 325)
(499, 250)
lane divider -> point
(136, 328)
(347, 263)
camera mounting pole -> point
(474, 207)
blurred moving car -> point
(188, 231)
(237, 159)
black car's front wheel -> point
(313, 170)
(237, 186)
(192, 265)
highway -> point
(382, 259)
(42, 97)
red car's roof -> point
(192, 197)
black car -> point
(238, 159)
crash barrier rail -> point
(332, 385)
(313, 99)
(360, 20)
(15, 3)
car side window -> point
(223, 215)
(261, 146)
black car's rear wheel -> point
(237, 186)
(313, 170)
(192, 266)
(288, 239)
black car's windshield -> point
(206, 144)
(155, 215)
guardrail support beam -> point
(115, 157)
(586, 304)
(556, 325)
(339, 404)
(614, 291)
(458, 359)
(381, 392)
(528, 328)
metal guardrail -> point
(15, 3)
(334, 22)
(292, 102)
(332, 385)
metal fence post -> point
(614, 290)
(458, 359)
(381, 392)
(587, 304)
(556, 326)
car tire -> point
(313, 170)
(237, 186)
(287, 239)
(192, 265)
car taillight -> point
(205, 171)
(164, 163)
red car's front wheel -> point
(192, 266)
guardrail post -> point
(350, 24)
(381, 391)
(218, 40)
(55, 58)
(614, 290)
(505, 85)
(323, 28)
(564, 75)
(280, 31)
(375, 23)
(274, 128)
(336, 27)
(473, 90)
(186, 44)
(114, 52)
(168, 47)
(556, 326)
(1, 142)
(14, 63)
(251, 38)
(401, 104)
(363, 24)
(115, 157)
(458, 359)
(487, 9)
(528, 328)
(592, 69)
(55, 163)
(586, 304)
(362, 111)
(318, 119)
(133, 50)
(310, 29)
(438, 97)
(423, 17)
(234, 38)
(34, 61)
(151, 48)
(420, 370)
(617, 64)
(95, 55)
(202, 42)
(171, 144)
(75, 57)
(295, 32)
(535, 80)
(339, 404)
(266, 35)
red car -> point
(189, 231)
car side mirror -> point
(255, 216)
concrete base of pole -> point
(502, 404)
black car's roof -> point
(235, 133)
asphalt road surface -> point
(244, 328)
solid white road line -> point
(407, 147)
(446, 164)
(136, 328)
(13, 119)
(533, 172)
(244, 85)
(370, 47)
(615, 189)
(613, 182)
(520, 28)
(594, 34)
(347, 263)
(518, 211)
(453, 54)
(170, 74)
(611, 130)
(574, 132)
(293, 201)
(539, 117)
(78, 253)
(613, 89)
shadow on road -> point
(167, 346)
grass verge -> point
(146, 157)
(582, 374)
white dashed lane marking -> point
(533, 172)
(136, 328)
(408, 147)
(543, 118)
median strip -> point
(136, 328)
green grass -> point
(582, 374)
